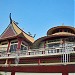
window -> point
(23, 47)
(54, 45)
(51, 51)
(3, 46)
(50, 45)
(13, 47)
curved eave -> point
(58, 27)
(8, 38)
(24, 34)
(38, 41)
(15, 36)
(25, 38)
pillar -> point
(12, 73)
(45, 44)
(19, 43)
(43, 52)
(65, 73)
(28, 47)
(39, 62)
(8, 52)
(19, 46)
(8, 46)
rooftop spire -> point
(10, 18)
(62, 24)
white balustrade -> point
(67, 47)
(37, 52)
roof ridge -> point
(20, 28)
(6, 30)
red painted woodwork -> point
(8, 46)
(8, 33)
(64, 73)
(42, 59)
(13, 73)
(39, 62)
(19, 43)
(44, 44)
(41, 69)
(2, 61)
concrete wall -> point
(71, 73)
(20, 73)
(5, 73)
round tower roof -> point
(50, 31)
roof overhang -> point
(49, 32)
(38, 41)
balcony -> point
(37, 52)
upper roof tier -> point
(13, 30)
(56, 33)
(61, 29)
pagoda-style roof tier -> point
(56, 33)
(61, 29)
(13, 31)
(53, 36)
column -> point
(69, 58)
(39, 62)
(19, 46)
(19, 43)
(12, 73)
(63, 57)
(65, 73)
(45, 44)
(44, 48)
(8, 46)
(7, 62)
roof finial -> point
(62, 24)
(10, 18)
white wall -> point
(71, 73)
(6, 73)
(19, 73)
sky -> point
(37, 16)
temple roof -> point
(54, 33)
(50, 31)
(13, 30)
(63, 33)
(57, 35)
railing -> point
(37, 52)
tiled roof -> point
(49, 32)
(13, 30)
(8, 32)
(63, 33)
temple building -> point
(53, 54)
(14, 39)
